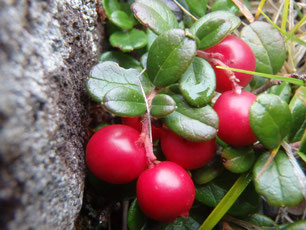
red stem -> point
(215, 59)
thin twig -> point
(125, 214)
(265, 87)
(242, 223)
(185, 11)
(244, 10)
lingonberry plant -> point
(188, 78)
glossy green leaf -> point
(238, 160)
(155, 15)
(257, 82)
(110, 6)
(278, 184)
(198, 83)
(121, 19)
(172, 89)
(298, 225)
(108, 75)
(213, 27)
(270, 119)
(267, 44)
(151, 38)
(183, 224)
(143, 60)
(136, 218)
(262, 221)
(162, 105)
(193, 124)
(169, 57)
(298, 111)
(197, 7)
(123, 60)
(128, 41)
(227, 5)
(283, 91)
(123, 101)
(211, 194)
(207, 173)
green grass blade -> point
(277, 77)
(227, 201)
(285, 15)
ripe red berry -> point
(236, 54)
(189, 155)
(233, 111)
(136, 124)
(165, 192)
(113, 155)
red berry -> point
(136, 124)
(233, 111)
(113, 155)
(189, 155)
(236, 54)
(165, 192)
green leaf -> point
(262, 221)
(207, 173)
(270, 119)
(212, 193)
(213, 27)
(123, 101)
(299, 225)
(267, 44)
(136, 218)
(193, 124)
(143, 60)
(110, 6)
(257, 82)
(121, 19)
(108, 75)
(151, 38)
(298, 111)
(227, 5)
(128, 41)
(123, 60)
(162, 105)
(155, 15)
(283, 91)
(183, 224)
(198, 83)
(169, 57)
(278, 184)
(197, 7)
(238, 160)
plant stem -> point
(125, 210)
(244, 10)
(241, 223)
(185, 11)
(215, 59)
(285, 15)
(146, 132)
(227, 201)
(261, 4)
(265, 87)
(268, 162)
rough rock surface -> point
(47, 48)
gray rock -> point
(46, 51)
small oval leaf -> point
(298, 111)
(122, 59)
(283, 91)
(128, 41)
(107, 75)
(123, 101)
(162, 105)
(110, 6)
(270, 119)
(136, 218)
(121, 19)
(278, 184)
(267, 44)
(169, 57)
(227, 5)
(197, 7)
(214, 26)
(198, 83)
(238, 160)
(155, 15)
(193, 124)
